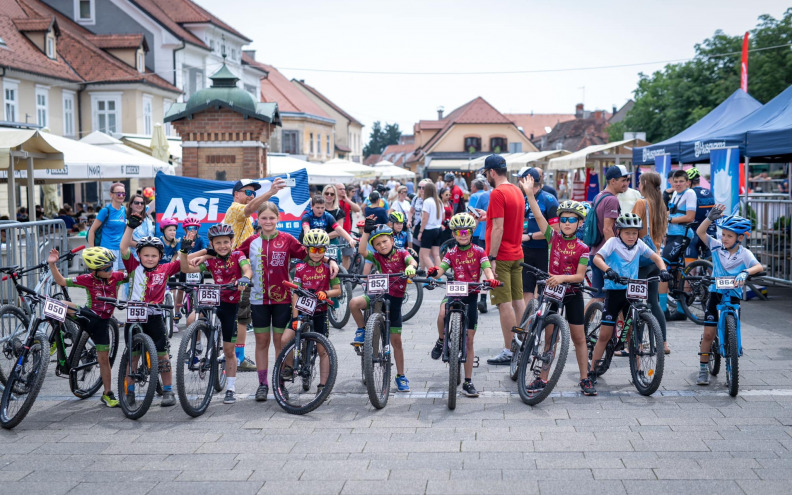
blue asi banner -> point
(663, 167)
(208, 200)
(725, 177)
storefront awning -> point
(578, 159)
(452, 165)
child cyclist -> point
(388, 259)
(102, 281)
(318, 218)
(620, 257)
(467, 261)
(227, 267)
(314, 275)
(402, 237)
(568, 261)
(729, 259)
(148, 280)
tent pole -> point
(31, 196)
(11, 184)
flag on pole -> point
(744, 64)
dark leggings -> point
(654, 298)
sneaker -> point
(537, 385)
(482, 306)
(677, 316)
(247, 365)
(175, 327)
(168, 399)
(230, 397)
(109, 399)
(703, 378)
(469, 389)
(198, 348)
(261, 393)
(437, 350)
(360, 336)
(130, 397)
(503, 358)
(402, 384)
(587, 386)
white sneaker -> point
(503, 358)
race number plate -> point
(137, 312)
(306, 304)
(332, 251)
(55, 309)
(637, 289)
(208, 296)
(556, 293)
(194, 278)
(456, 289)
(377, 284)
(725, 283)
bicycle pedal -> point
(518, 330)
(475, 361)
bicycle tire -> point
(530, 309)
(198, 366)
(376, 362)
(592, 321)
(648, 375)
(86, 382)
(13, 328)
(24, 383)
(287, 402)
(414, 295)
(168, 314)
(732, 356)
(694, 304)
(148, 367)
(447, 246)
(340, 312)
(557, 357)
(220, 364)
(714, 357)
(454, 335)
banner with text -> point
(663, 167)
(725, 171)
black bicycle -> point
(687, 294)
(297, 388)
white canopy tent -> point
(599, 152)
(516, 161)
(317, 173)
(383, 163)
(360, 171)
(392, 171)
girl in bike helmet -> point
(192, 224)
(729, 259)
(402, 237)
(101, 281)
(169, 240)
(620, 257)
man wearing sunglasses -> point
(110, 223)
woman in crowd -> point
(431, 223)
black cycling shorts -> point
(154, 328)
(227, 315)
(266, 315)
(471, 301)
(615, 303)
(395, 312)
(99, 330)
(537, 258)
(574, 309)
(711, 314)
(320, 323)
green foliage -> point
(380, 138)
(670, 100)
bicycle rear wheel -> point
(376, 361)
(544, 355)
(195, 368)
(294, 368)
(732, 356)
(694, 304)
(454, 334)
(168, 313)
(85, 377)
(219, 363)
(136, 383)
(339, 313)
(13, 328)
(647, 359)
(413, 297)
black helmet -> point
(449, 177)
(150, 241)
(219, 230)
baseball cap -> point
(617, 172)
(246, 182)
(493, 162)
(526, 171)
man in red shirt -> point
(457, 195)
(503, 237)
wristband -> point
(493, 258)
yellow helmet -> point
(570, 206)
(316, 238)
(462, 221)
(96, 258)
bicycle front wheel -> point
(413, 297)
(220, 362)
(732, 356)
(376, 361)
(696, 298)
(13, 328)
(195, 368)
(168, 314)
(312, 361)
(543, 359)
(85, 378)
(646, 354)
(454, 333)
(24, 382)
(138, 379)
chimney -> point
(579, 111)
(440, 112)
(614, 110)
(250, 53)
(598, 114)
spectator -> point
(479, 198)
(376, 206)
(137, 206)
(22, 214)
(455, 192)
(448, 212)
(416, 207)
(392, 184)
(563, 192)
(401, 204)
(431, 222)
(365, 190)
(348, 207)
(628, 198)
(112, 220)
(546, 187)
(81, 229)
(69, 220)
(667, 192)
(504, 217)
(410, 187)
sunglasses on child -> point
(462, 231)
(568, 219)
(317, 250)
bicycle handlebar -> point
(626, 280)
(434, 282)
(123, 304)
(303, 292)
(190, 286)
(710, 278)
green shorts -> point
(510, 275)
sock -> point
(703, 366)
(663, 302)
(467, 380)
(262, 376)
(239, 350)
(231, 383)
(398, 375)
(167, 388)
(508, 351)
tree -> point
(670, 100)
(380, 138)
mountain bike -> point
(296, 386)
(686, 293)
(640, 333)
(339, 313)
(138, 371)
(455, 329)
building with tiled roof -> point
(398, 153)
(586, 129)
(536, 125)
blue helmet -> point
(735, 223)
(380, 230)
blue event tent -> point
(733, 108)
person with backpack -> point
(704, 203)
(108, 228)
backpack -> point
(591, 234)
(704, 203)
(98, 233)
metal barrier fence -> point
(26, 244)
(771, 239)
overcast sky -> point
(478, 36)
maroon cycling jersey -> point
(565, 254)
(227, 271)
(467, 262)
(269, 259)
(149, 286)
(315, 277)
(98, 287)
(396, 262)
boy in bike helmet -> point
(101, 281)
(402, 237)
(386, 258)
(189, 224)
(568, 261)
(227, 267)
(729, 259)
(148, 281)
(468, 263)
(314, 276)
(619, 257)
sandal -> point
(622, 353)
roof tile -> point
(21, 54)
(276, 87)
(116, 40)
(327, 101)
(185, 12)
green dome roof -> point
(224, 90)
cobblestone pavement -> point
(684, 439)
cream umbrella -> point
(358, 170)
(159, 144)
